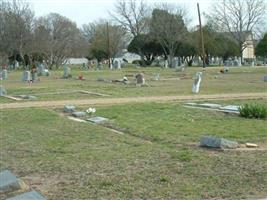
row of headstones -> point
(9, 183)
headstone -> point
(99, 66)
(2, 91)
(69, 108)
(230, 108)
(26, 76)
(40, 70)
(79, 114)
(117, 64)
(8, 182)
(157, 77)
(210, 105)
(166, 63)
(97, 120)
(196, 84)
(214, 142)
(265, 78)
(30, 97)
(4, 74)
(34, 76)
(140, 79)
(32, 195)
(67, 72)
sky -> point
(86, 11)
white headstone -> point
(166, 63)
(117, 64)
(67, 72)
(26, 76)
(2, 91)
(196, 84)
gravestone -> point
(157, 77)
(69, 108)
(2, 91)
(210, 105)
(29, 97)
(232, 108)
(214, 142)
(67, 72)
(99, 66)
(117, 64)
(4, 74)
(140, 79)
(166, 64)
(34, 76)
(32, 195)
(265, 78)
(26, 76)
(40, 70)
(8, 182)
(196, 84)
(97, 120)
(79, 114)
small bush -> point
(253, 111)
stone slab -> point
(97, 120)
(214, 142)
(209, 105)
(79, 114)
(230, 108)
(69, 108)
(32, 195)
(8, 182)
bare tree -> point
(238, 17)
(16, 21)
(56, 38)
(132, 15)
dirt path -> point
(113, 101)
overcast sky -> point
(85, 11)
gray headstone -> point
(97, 120)
(8, 182)
(69, 108)
(4, 74)
(117, 64)
(40, 70)
(26, 76)
(34, 76)
(2, 91)
(265, 78)
(140, 78)
(214, 142)
(79, 114)
(32, 195)
(67, 72)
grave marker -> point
(2, 91)
(69, 108)
(79, 114)
(4, 74)
(197, 81)
(67, 72)
(8, 182)
(214, 142)
(140, 79)
(265, 78)
(97, 120)
(26, 76)
(32, 195)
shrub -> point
(253, 111)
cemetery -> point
(135, 150)
(151, 102)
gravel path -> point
(114, 101)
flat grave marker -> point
(32, 195)
(8, 182)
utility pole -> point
(201, 36)
(109, 64)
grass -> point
(238, 80)
(158, 156)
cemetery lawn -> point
(237, 80)
(158, 157)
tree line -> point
(149, 31)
